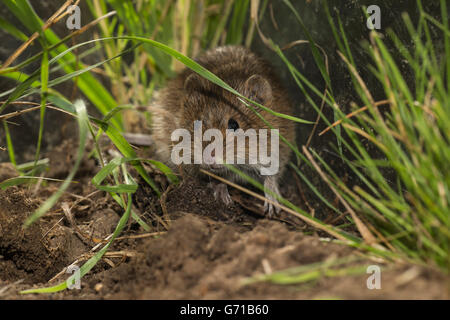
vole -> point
(189, 97)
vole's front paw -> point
(221, 193)
(270, 210)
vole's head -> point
(219, 109)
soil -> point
(197, 249)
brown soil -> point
(208, 251)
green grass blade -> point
(25, 179)
(92, 261)
(83, 130)
(92, 88)
(12, 30)
(9, 144)
(44, 83)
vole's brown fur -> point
(189, 97)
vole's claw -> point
(221, 193)
(269, 208)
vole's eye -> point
(232, 124)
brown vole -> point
(189, 98)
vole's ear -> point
(258, 89)
(193, 82)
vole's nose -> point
(209, 158)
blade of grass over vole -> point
(191, 64)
